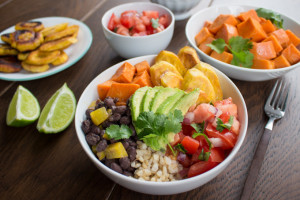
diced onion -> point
(216, 142)
(188, 118)
(181, 157)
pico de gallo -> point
(132, 23)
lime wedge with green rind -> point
(23, 109)
(58, 112)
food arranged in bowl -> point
(253, 39)
(162, 123)
(34, 47)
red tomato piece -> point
(151, 14)
(190, 144)
(122, 30)
(146, 20)
(226, 105)
(216, 155)
(200, 167)
(113, 22)
(177, 138)
(127, 18)
(140, 27)
(186, 162)
(164, 20)
(188, 130)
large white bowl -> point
(128, 46)
(158, 188)
(195, 24)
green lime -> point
(23, 109)
(58, 112)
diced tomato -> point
(188, 130)
(151, 14)
(146, 20)
(225, 117)
(127, 18)
(190, 144)
(223, 102)
(200, 167)
(164, 20)
(186, 162)
(113, 22)
(204, 112)
(177, 138)
(122, 30)
(202, 141)
(235, 128)
(226, 106)
(229, 139)
(216, 155)
(140, 27)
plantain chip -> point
(9, 65)
(26, 40)
(188, 57)
(194, 78)
(23, 56)
(172, 58)
(6, 50)
(7, 37)
(171, 79)
(70, 30)
(54, 29)
(58, 44)
(32, 26)
(212, 76)
(35, 68)
(38, 57)
(158, 69)
(62, 58)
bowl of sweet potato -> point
(246, 42)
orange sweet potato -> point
(292, 54)
(268, 26)
(293, 38)
(251, 29)
(143, 79)
(282, 37)
(263, 64)
(263, 50)
(281, 62)
(142, 66)
(262, 19)
(220, 20)
(103, 88)
(124, 74)
(202, 35)
(248, 14)
(278, 48)
(207, 24)
(122, 90)
(226, 32)
(224, 57)
(203, 46)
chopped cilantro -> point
(118, 132)
(181, 148)
(274, 17)
(198, 127)
(204, 156)
(115, 29)
(221, 126)
(154, 23)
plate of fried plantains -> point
(42, 47)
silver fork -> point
(275, 109)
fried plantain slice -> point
(62, 58)
(70, 30)
(35, 68)
(188, 57)
(23, 56)
(7, 37)
(54, 29)
(58, 44)
(6, 50)
(38, 57)
(9, 65)
(35, 26)
(26, 40)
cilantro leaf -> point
(221, 126)
(204, 156)
(181, 148)
(118, 132)
(218, 45)
(154, 23)
(242, 59)
(238, 44)
(274, 17)
(206, 138)
(198, 127)
(171, 148)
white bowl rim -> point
(207, 174)
(145, 36)
(229, 65)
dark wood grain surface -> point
(38, 166)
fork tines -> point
(279, 99)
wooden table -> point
(38, 166)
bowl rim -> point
(170, 26)
(230, 66)
(208, 174)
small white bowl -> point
(128, 46)
(159, 188)
(195, 24)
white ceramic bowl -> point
(127, 46)
(158, 188)
(195, 24)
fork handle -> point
(256, 164)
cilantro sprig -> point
(181, 148)
(154, 23)
(200, 132)
(221, 125)
(204, 156)
(155, 128)
(274, 17)
(239, 47)
(118, 132)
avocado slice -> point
(168, 103)
(149, 95)
(160, 97)
(135, 102)
(186, 101)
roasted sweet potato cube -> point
(263, 50)
(249, 14)
(263, 64)
(293, 38)
(103, 88)
(207, 24)
(278, 48)
(226, 32)
(142, 66)
(252, 30)
(122, 90)
(224, 57)
(292, 54)
(268, 26)
(281, 62)
(220, 20)
(124, 74)
(282, 37)
(202, 35)
(203, 46)
(143, 79)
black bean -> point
(133, 130)
(132, 143)
(130, 169)
(127, 173)
(109, 102)
(114, 166)
(120, 109)
(124, 162)
(101, 146)
(125, 144)
(125, 120)
(114, 117)
(99, 104)
(92, 139)
(88, 113)
(102, 133)
(95, 129)
(112, 141)
(86, 126)
(128, 112)
(106, 124)
(131, 151)
(108, 162)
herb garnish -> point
(274, 17)
(181, 148)
(118, 132)
(221, 126)
(154, 23)
(204, 156)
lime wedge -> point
(58, 112)
(23, 109)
